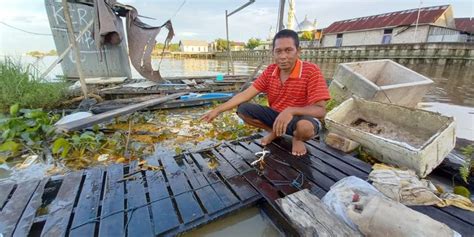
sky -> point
(205, 19)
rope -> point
(296, 182)
(29, 32)
(179, 9)
(165, 45)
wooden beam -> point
(72, 41)
(98, 118)
(310, 217)
(66, 51)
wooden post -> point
(72, 40)
(310, 217)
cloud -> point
(187, 33)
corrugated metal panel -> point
(407, 17)
(465, 24)
(115, 61)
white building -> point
(435, 24)
(193, 46)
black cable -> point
(29, 32)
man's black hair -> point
(286, 33)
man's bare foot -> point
(298, 149)
(268, 139)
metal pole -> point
(280, 15)
(417, 18)
(227, 34)
(72, 40)
(227, 37)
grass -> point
(21, 84)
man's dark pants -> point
(267, 116)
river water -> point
(451, 95)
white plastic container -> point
(379, 80)
(406, 137)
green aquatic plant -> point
(25, 131)
(468, 167)
(463, 191)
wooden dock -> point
(189, 191)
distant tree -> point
(52, 52)
(221, 44)
(253, 43)
(307, 36)
(171, 47)
(36, 54)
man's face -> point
(285, 53)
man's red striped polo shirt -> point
(304, 87)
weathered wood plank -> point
(310, 217)
(351, 160)
(209, 198)
(309, 172)
(11, 213)
(88, 204)
(165, 217)
(248, 149)
(317, 163)
(112, 213)
(188, 205)
(95, 119)
(26, 221)
(61, 207)
(138, 217)
(6, 188)
(259, 183)
(269, 172)
(463, 228)
(225, 195)
(238, 184)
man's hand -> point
(209, 116)
(281, 122)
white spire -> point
(291, 14)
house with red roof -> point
(419, 25)
(466, 26)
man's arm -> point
(317, 110)
(238, 99)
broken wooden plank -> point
(88, 204)
(165, 217)
(184, 195)
(112, 213)
(6, 188)
(104, 80)
(341, 143)
(26, 221)
(310, 217)
(11, 213)
(62, 206)
(139, 222)
(98, 118)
